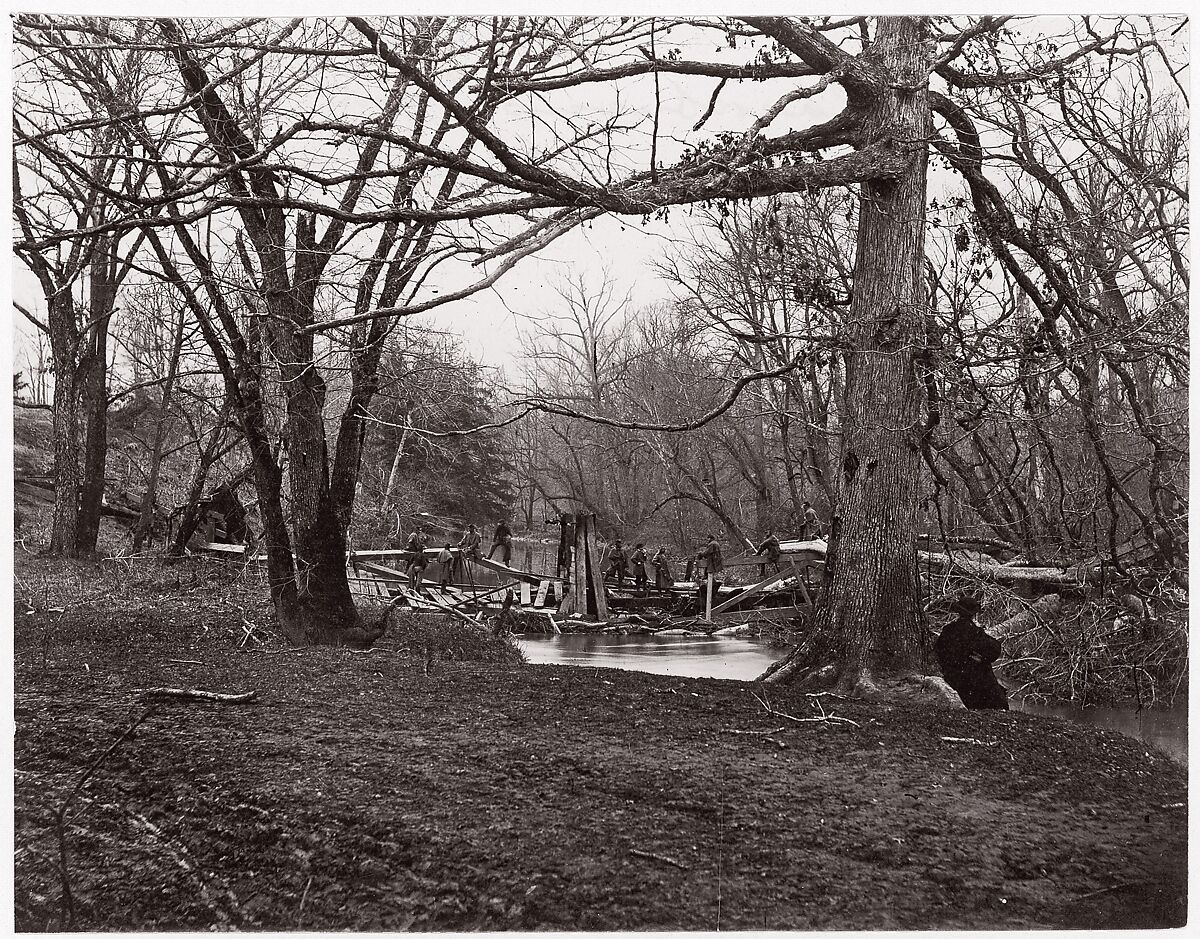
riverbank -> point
(418, 786)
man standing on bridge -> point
(773, 550)
(811, 528)
(468, 548)
(637, 562)
(502, 539)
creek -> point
(745, 659)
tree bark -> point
(94, 368)
(871, 607)
(68, 439)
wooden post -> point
(599, 601)
(525, 593)
(708, 599)
(800, 582)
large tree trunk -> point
(95, 397)
(871, 610)
(324, 607)
(64, 527)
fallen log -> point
(1077, 575)
(1013, 632)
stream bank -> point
(438, 783)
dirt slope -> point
(361, 793)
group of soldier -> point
(636, 565)
(469, 547)
(709, 559)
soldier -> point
(617, 564)
(773, 550)
(502, 539)
(416, 571)
(966, 653)
(663, 578)
(812, 523)
(638, 562)
(446, 559)
(415, 548)
(468, 547)
(710, 557)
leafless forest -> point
(926, 273)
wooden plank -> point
(800, 582)
(557, 587)
(708, 597)
(387, 573)
(218, 547)
(525, 599)
(597, 576)
(511, 572)
(543, 590)
(598, 583)
(773, 613)
(749, 592)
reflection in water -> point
(746, 659)
(684, 656)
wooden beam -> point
(773, 613)
(597, 576)
(511, 572)
(749, 592)
(800, 582)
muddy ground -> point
(418, 787)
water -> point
(746, 659)
(682, 656)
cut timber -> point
(543, 590)
(1014, 630)
(708, 598)
(595, 575)
(1075, 576)
(217, 547)
(525, 593)
(774, 613)
(800, 582)
(749, 592)
(504, 569)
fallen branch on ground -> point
(822, 719)
(659, 857)
(982, 743)
(191, 694)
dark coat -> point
(770, 548)
(966, 653)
